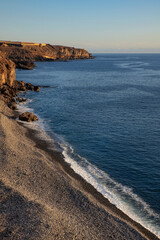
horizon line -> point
(125, 52)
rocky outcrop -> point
(9, 93)
(27, 65)
(7, 70)
(24, 54)
(28, 117)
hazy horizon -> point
(103, 26)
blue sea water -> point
(104, 114)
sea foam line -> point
(40, 126)
(116, 193)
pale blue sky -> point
(97, 25)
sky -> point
(96, 25)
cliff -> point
(23, 54)
(7, 70)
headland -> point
(23, 54)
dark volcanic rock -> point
(21, 99)
(36, 88)
(26, 65)
(28, 117)
(9, 93)
(22, 86)
(12, 106)
(29, 86)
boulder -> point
(28, 117)
(29, 86)
(36, 88)
(18, 99)
(12, 106)
(22, 89)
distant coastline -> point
(23, 54)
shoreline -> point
(87, 187)
(75, 183)
(84, 185)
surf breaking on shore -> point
(117, 194)
(41, 194)
(39, 188)
(38, 174)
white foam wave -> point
(135, 65)
(40, 126)
(121, 196)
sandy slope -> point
(38, 200)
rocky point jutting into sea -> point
(23, 54)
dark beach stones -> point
(12, 106)
(18, 99)
(36, 88)
(28, 117)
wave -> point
(41, 128)
(123, 197)
(136, 65)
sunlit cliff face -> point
(7, 70)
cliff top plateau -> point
(22, 55)
(27, 51)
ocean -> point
(103, 114)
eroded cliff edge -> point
(23, 54)
(7, 70)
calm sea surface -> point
(104, 113)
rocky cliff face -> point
(24, 53)
(7, 70)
